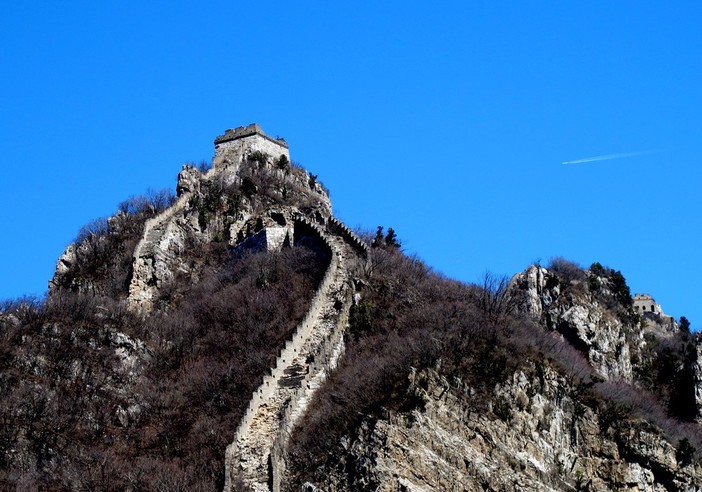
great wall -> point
(257, 454)
(256, 457)
(147, 251)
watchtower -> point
(235, 144)
(644, 303)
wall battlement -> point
(247, 131)
(232, 147)
(258, 453)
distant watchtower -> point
(644, 303)
(646, 306)
(234, 145)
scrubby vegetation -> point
(103, 248)
(610, 287)
(667, 367)
(283, 183)
(411, 319)
(100, 399)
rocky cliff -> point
(543, 440)
(537, 436)
(567, 409)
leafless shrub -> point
(493, 296)
(22, 308)
(364, 235)
(95, 228)
(641, 403)
(530, 338)
(202, 359)
(408, 318)
(567, 270)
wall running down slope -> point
(257, 455)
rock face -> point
(543, 441)
(579, 317)
(545, 425)
(254, 199)
(698, 378)
(63, 266)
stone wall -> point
(322, 366)
(293, 347)
(356, 242)
(247, 131)
(317, 344)
(141, 289)
(644, 303)
(230, 153)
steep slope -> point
(299, 370)
(534, 387)
(152, 362)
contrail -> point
(607, 157)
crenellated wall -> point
(230, 150)
(300, 335)
(141, 286)
(321, 368)
(258, 451)
(356, 242)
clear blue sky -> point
(448, 121)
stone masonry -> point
(162, 237)
(231, 147)
(257, 455)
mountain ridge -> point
(241, 314)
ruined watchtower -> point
(235, 144)
(652, 313)
(644, 303)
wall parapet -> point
(356, 242)
(324, 363)
(291, 348)
(247, 131)
(136, 298)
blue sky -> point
(448, 121)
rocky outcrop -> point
(163, 239)
(536, 437)
(580, 317)
(64, 264)
(532, 431)
(254, 199)
(697, 370)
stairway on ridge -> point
(248, 457)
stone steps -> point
(142, 269)
(152, 238)
(274, 415)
